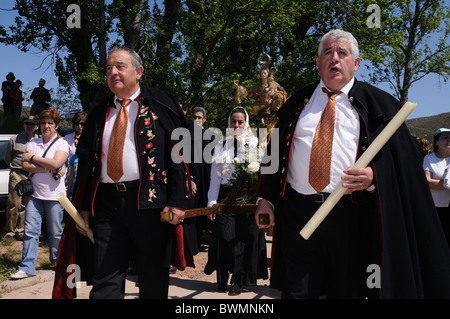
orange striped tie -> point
(114, 164)
(320, 160)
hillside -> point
(420, 127)
(427, 126)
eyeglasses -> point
(80, 123)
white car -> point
(4, 171)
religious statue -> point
(268, 93)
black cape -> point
(75, 249)
(415, 257)
(199, 169)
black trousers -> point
(238, 247)
(122, 233)
(331, 262)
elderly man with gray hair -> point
(126, 177)
(383, 239)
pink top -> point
(45, 187)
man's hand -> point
(357, 179)
(177, 214)
(85, 214)
(193, 187)
(264, 207)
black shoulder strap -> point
(43, 155)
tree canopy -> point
(196, 48)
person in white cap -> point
(437, 166)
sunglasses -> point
(197, 117)
(79, 123)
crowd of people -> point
(13, 97)
(44, 159)
(395, 213)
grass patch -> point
(9, 262)
(11, 256)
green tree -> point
(79, 54)
(190, 48)
(196, 48)
(219, 41)
(411, 43)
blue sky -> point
(430, 93)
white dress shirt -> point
(130, 160)
(345, 141)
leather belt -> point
(121, 186)
(317, 198)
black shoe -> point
(235, 290)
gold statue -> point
(269, 97)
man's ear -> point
(139, 72)
(357, 63)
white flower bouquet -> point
(245, 176)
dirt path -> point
(192, 283)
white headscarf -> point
(225, 149)
(246, 132)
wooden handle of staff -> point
(68, 206)
(362, 162)
(166, 216)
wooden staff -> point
(68, 206)
(362, 162)
(166, 216)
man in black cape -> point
(383, 239)
(124, 215)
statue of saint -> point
(269, 97)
